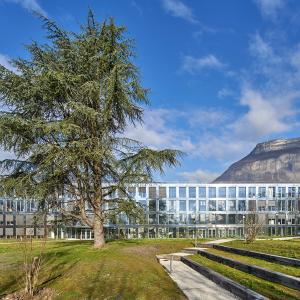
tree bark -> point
(99, 240)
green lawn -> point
(289, 248)
(289, 270)
(122, 270)
(266, 288)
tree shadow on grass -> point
(54, 265)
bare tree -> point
(252, 227)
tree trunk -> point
(99, 240)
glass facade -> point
(178, 210)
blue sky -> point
(224, 75)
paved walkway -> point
(219, 241)
(194, 285)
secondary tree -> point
(65, 114)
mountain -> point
(276, 161)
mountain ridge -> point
(273, 161)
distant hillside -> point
(272, 162)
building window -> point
(212, 205)
(162, 192)
(221, 205)
(182, 218)
(202, 192)
(262, 192)
(281, 205)
(152, 218)
(172, 192)
(231, 192)
(222, 192)
(182, 205)
(202, 205)
(10, 205)
(242, 205)
(281, 192)
(192, 192)
(142, 192)
(162, 219)
(131, 192)
(1, 205)
(291, 192)
(242, 192)
(173, 219)
(172, 205)
(272, 192)
(202, 219)
(152, 192)
(152, 205)
(261, 204)
(221, 219)
(232, 205)
(191, 219)
(192, 205)
(252, 192)
(182, 192)
(20, 205)
(212, 192)
(162, 205)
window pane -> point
(152, 205)
(251, 192)
(152, 192)
(172, 205)
(242, 192)
(142, 192)
(232, 205)
(202, 192)
(212, 205)
(182, 205)
(172, 192)
(162, 192)
(232, 192)
(212, 192)
(222, 205)
(242, 205)
(281, 192)
(202, 205)
(162, 205)
(192, 192)
(182, 192)
(192, 205)
(222, 192)
(262, 192)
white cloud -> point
(225, 93)
(30, 5)
(199, 175)
(265, 116)
(260, 48)
(157, 131)
(137, 7)
(270, 8)
(180, 10)
(193, 65)
(5, 62)
(208, 117)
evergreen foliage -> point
(65, 115)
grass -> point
(121, 270)
(289, 270)
(269, 289)
(288, 248)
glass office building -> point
(175, 210)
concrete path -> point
(219, 241)
(194, 285)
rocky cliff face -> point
(271, 162)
